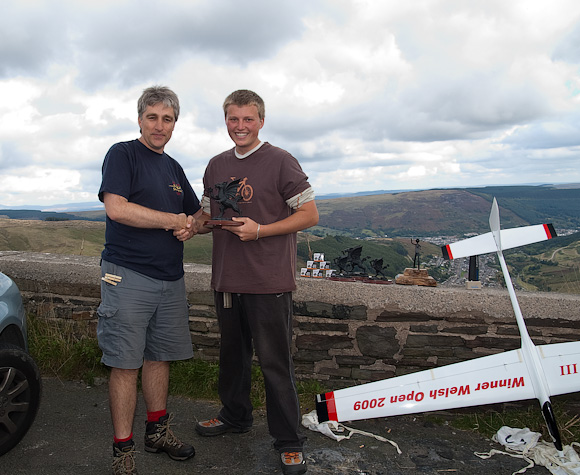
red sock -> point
(154, 416)
(123, 440)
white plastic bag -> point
(525, 444)
(329, 429)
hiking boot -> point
(124, 458)
(160, 438)
(293, 463)
(213, 427)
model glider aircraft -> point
(526, 373)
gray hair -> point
(155, 95)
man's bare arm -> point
(119, 209)
(302, 218)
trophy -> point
(227, 197)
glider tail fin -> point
(494, 224)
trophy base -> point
(413, 276)
(219, 223)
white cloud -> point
(368, 95)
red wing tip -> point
(326, 407)
(550, 231)
(447, 254)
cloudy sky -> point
(367, 94)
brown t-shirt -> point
(269, 176)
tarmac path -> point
(72, 434)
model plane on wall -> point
(526, 373)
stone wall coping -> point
(434, 301)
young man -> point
(143, 316)
(254, 309)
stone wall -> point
(343, 332)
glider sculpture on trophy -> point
(525, 373)
(349, 262)
(352, 268)
(227, 197)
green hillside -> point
(84, 238)
(552, 265)
(57, 237)
(198, 249)
(448, 212)
(383, 224)
(537, 204)
(419, 213)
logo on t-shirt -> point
(176, 187)
(244, 190)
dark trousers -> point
(263, 321)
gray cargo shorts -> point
(142, 318)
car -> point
(20, 381)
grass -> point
(62, 349)
(198, 379)
(66, 350)
(490, 421)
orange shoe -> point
(293, 463)
(213, 427)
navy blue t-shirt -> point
(155, 181)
